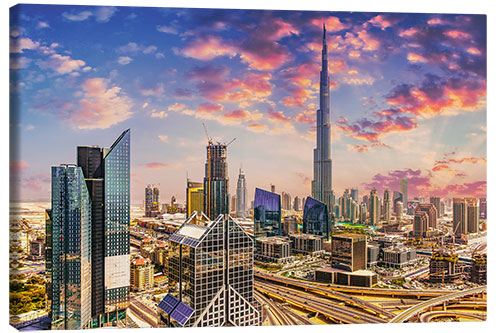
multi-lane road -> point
(414, 310)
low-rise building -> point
(478, 269)
(273, 249)
(398, 256)
(349, 251)
(141, 274)
(306, 244)
(372, 254)
(359, 278)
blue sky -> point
(408, 95)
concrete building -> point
(420, 224)
(37, 249)
(349, 252)
(372, 254)
(241, 196)
(403, 188)
(387, 206)
(306, 244)
(478, 269)
(374, 207)
(431, 211)
(436, 201)
(276, 249)
(482, 208)
(141, 274)
(398, 256)
(399, 210)
(460, 215)
(472, 215)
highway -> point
(409, 313)
(429, 293)
(427, 317)
(329, 293)
(328, 308)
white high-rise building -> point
(241, 196)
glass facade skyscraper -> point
(267, 214)
(107, 175)
(70, 255)
(322, 181)
(117, 223)
(210, 268)
(315, 219)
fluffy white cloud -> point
(124, 60)
(103, 14)
(165, 29)
(20, 44)
(82, 16)
(61, 64)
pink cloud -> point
(435, 21)
(457, 34)
(208, 48)
(278, 116)
(61, 64)
(415, 57)
(156, 165)
(100, 107)
(258, 128)
(365, 148)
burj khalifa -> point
(322, 181)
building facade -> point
(460, 215)
(267, 214)
(387, 206)
(472, 215)
(436, 201)
(431, 212)
(210, 268)
(276, 249)
(107, 175)
(374, 207)
(349, 252)
(306, 244)
(69, 258)
(403, 188)
(316, 219)
(322, 177)
(141, 274)
(194, 197)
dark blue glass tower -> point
(316, 218)
(267, 214)
(70, 237)
(322, 181)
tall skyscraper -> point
(70, 236)
(241, 195)
(210, 270)
(472, 215)
(267, 214)
(194, 197)
(216, 181)
(387, 205)
(436, 201)
(286, 201)
(459, 216)
(374, 207)
(316, 219)
(354, 194)
(403, 188)
(107, 175)
(322, 180)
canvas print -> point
(177, 167)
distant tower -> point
(403, 188)
(241, 196)
(273, 188)
(387, 205)
(322, 181)
(374, 207)
(460, 215)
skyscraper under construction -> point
(216, 181)
(322, 181)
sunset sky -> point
(408, 96)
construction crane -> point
(206, 133)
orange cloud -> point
(434, 21)
(457, 34)
(414, 57)
(473, 50)
(332, 24)
(408, 32)
(380, 21)
(259, 128)
(208, 48)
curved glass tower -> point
(322, 181)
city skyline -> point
(255, 79)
